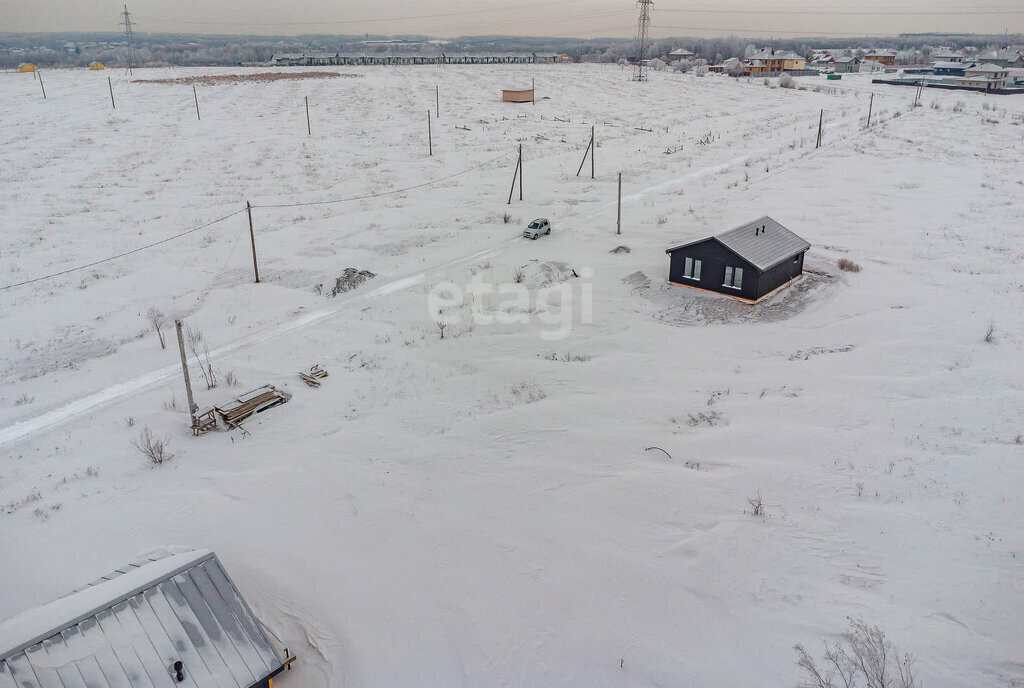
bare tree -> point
(156, 449)
(196, 344)
(157, 319)
(441, 325)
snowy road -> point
(122, 390)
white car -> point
(536, 228)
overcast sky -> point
(582, 18)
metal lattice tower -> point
(643, 39)
(129, 37)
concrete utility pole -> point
(192, 408)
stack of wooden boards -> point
(245, 405)
(313, 377)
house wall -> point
(775, 277)
(714, 258)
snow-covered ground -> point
(480, 509)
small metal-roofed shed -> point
(173, 619)
(747, 263)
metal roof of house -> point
(988, 68)
(764, 243)
(128, 629)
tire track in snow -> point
(79, 407)
(109, 395)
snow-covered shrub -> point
(657, 65)
(154, 448)
(701, 71)
(786, 81)
(848, 265)
(862, 657)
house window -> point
(733, 278)
(691, 269)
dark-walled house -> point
(747, 263)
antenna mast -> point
(643, 37)
(130, 38)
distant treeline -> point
(79, 49)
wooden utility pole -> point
(252, 238)
(618, 222)
(590, 151)
(870, 104)
(192, 408)
(437, 100)
(430, 136)
(309, 128)
(518, 174)
(41, 85)
(111, 93)
(196, 96)
(821, 119)
(533, 90)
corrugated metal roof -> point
(764, 243)
(129, 628)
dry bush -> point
(990, 334)
(848, 265)
(757, 505)
(230, 379)
(862, 658)
(194, 340)
(519, 277)
(156, 449)
(441, 325)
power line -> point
(122, 255)
(387, 193)
(773, 32)
(238, 212)
(865, 13)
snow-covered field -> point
(480, 509)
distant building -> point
(27, 67)
(96, 66)
(170, 619)
(747, 263)
(884, 57)
(1003, 58)
(987, 76)
(947, 55)
(564, 59)
(778, 60)
(950, 68)
(679, 55)
(845, 65)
